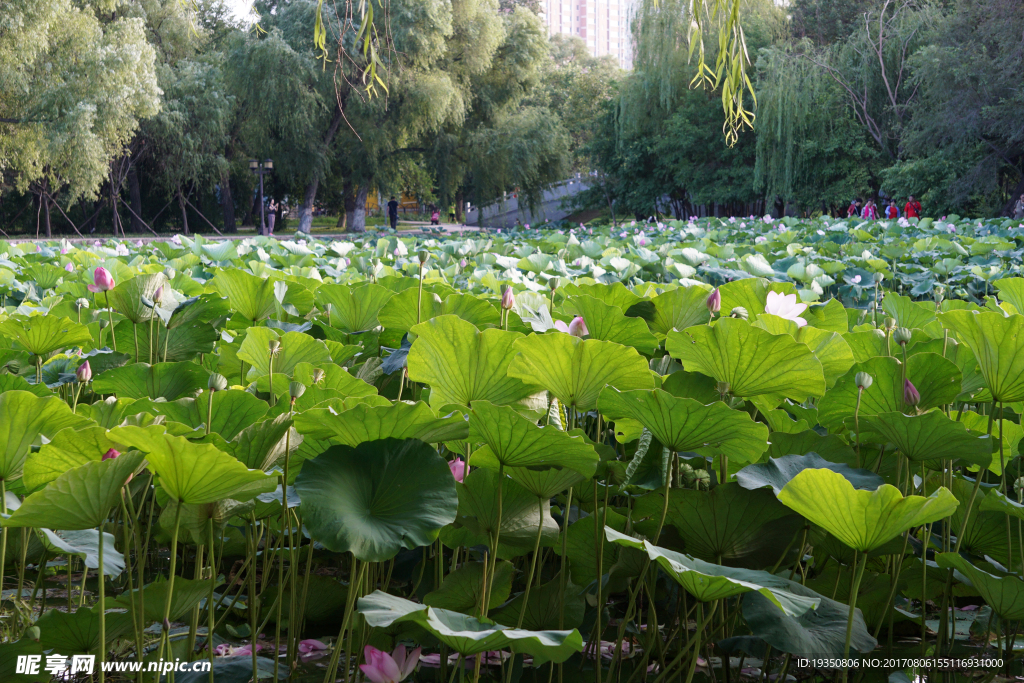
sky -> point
(240, 8)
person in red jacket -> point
(913, 208)
(854, 209)
(891, 211)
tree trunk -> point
(348, 205)
(460, 205)
(227, 203)
(309, 196)
(184, 214)
(135, 195)
(46, 216)
(357, 220)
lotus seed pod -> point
(103, 322)
(217, 382)
(170, 273)
(553, 283)
(296, 389)
(939, 294)
(82, 303)
(889, 323)
(32, 633)
(901, 335)
(274, 346)
(879, 277)
(722, 388)
(318, 376)
(863, 380)
(739, 312)
(714, 301)
(423, 255)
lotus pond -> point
(722, 449)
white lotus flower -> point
(785, 306)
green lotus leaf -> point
(182, 343)
(543, 612)
(778, 472)
(752, 361)
(932, 436)
(194, 519)
(480, 312)
(353, 308)
(169, 381)
(678, 309)
(867, 344)
(460, 591)
(70, 448)
(85, 543)
(737, 528)
(79, 632)
(126, 297)
(995, 501)
(518, 442)
(683, 424)
(609, 323)
(335, 378)
(250, 296)
(377, 498)
(107, 413)
(467, 635)
(751, 294)
(199, 309)
(693, 385)
(576, 371)
(401, 313)
(296, 348)
(707, 582)
(462, 364)
(18, 383)
(262, 446)
(544, 482)
(615, 294)
(863, 520)
(43, 334)
(364, 422)
(233, 411)
(81, 498)
(907, 312)
(187, 594)
(24, 418)
(830, 447)
(830, 317)
(1004, 594)
(831, 350)
(192, 472)
(11, 662)
(997, 342)
(936, 379)
(521, 514)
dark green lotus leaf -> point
(325, 599)
(262, 446)
(233, 411)
(460, 591)
(577, 370)
(24, 418)
(609, 323)
(932, 436)
(43, 334)
(79, 632)
(169, 381)
(364, 422)
(467, 635)
(1004, 594)
(70, 448)
(187, 594)
(778, 472)
(997, 342)
(936, 379)
(683, 384)
(181, 343)
(126, 297)
(728, 525)
(249, 296)
(582, 546)
(830, 447)
(353, 308)
(10, 659)
(545, 482)
(518, 442)
(377, 498)
(542, 611)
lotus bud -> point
(167, 626)
(714, 301)
(102, 279)
(318, 376)
(103, 323)
(274, 346)
(158, 295)
(578, 328)
(81, 303)
(508, 297)
(296, 389)
(84, 373)
(901, 336)
(423, 255)
(458, 468)
(910, 395)
(863, 380)
(1018, 486)
(69, 267)
(939, 294)
(463, 263)
(32, 633)
(739, 312)
(879, 277)
(170, 273)
(111, 454)
(217, 382)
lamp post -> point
(261, 169)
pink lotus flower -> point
(910, 394)
(785, 306)
(228, 650)
(458, 468)
(63, 250)
(84, 373)
(111, 454)
(527, 226)
(311, 645)
(176, 240)
(714, 301)
(138, 243)
(760, 239)
(855, 279)
(561, 326)
(508, 298)
(104, 281)
(381, 667)
(69, 267)
(578, 328)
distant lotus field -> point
(740, 449)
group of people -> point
(870, 210)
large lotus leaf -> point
(581, 549)
(107, 413)
(544, 610)
(169, 381)
(820, 632)
(480, 312)
(908, 313)
(544, 482)
(728, 525)
(932, 436)
(985, 531)
(752, 361)
(831, 350)
(460, 591)
(353, 308)
(997, 342)
(183, 343)
(576, 371)
(262, 446)
(609, 323)
(233, 411)
(995, 501)
(683, 424)
(1004, 594)
(400, 312)
(42, 334)
(79, 633)
(198, 309)
(467, 635)
(521, 513)
(193, 472)
(81, 498)
(187, 594)
(335, 378)
(867, 344)
(11, 661)
(615, 294)
(85, 543)
(707, 582)
(863, 520)
(250, 296)
(68, 449)
(778, 472)
(24, 418)
(1011, 291)
(936, 379)
(830, 447)
(462, 364)
(17, 383)
(751, 294)
(296, 348)
(678, 309)
(365, 422)
(516, 441)
(377, 498)
(126, 297)
(194, 519)
(691, 385)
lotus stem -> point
(419, 296)
(856, 423)
(135, 332)
(561, 571)
(3, 539)
(151, 319)
(353, 586)
(211, 613)
(272, 394)
(253, 599)
(103, 608)
(664, 492)
(166, 639)
(167, 337)
(110, 317)
(494, 548)
(857, 575)
(280, 589)
(533, 564)
(136, 631)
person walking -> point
(854, 209)
(913, 208)
(393, 212)
(869, 212)
(435, 216)
(271, 216)
(891, 211)
(1018, 208)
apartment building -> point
(602, 24)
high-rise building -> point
(602, 24)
